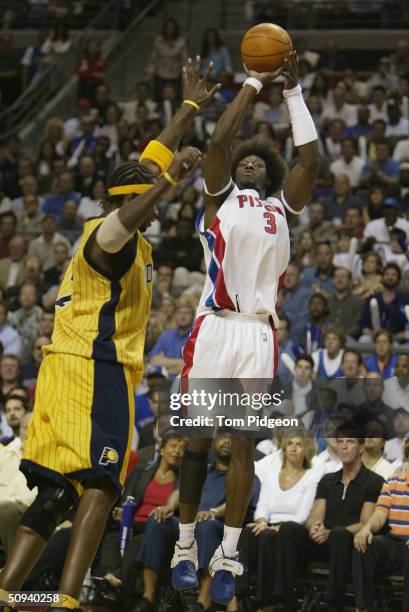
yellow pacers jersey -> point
(101, 318)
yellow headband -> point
(128, 189)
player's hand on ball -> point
(290, 71)
(195, 87)
(264, 77)
(184, 162)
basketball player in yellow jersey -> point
(79, 439)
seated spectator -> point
(343, 503)
(154, 376)
(349, 164)
(15, 496)
(386, 308)
(85, 143)
(380, 229)
(54, 203)
(29, 186)
(320, 276)
(355, 89)
(8, 226)
(43, 246)
(70, 226)
(374, 408)
(166, 314)
(12, 267)
(214, 50)
(162, 532)
(328, 461)
(32, 274)
(91, 206)
(327, 360)
(274, 111)
(322, 409)
(400, 431)
(377, 109)
(167, 351)
(25, 320)
(142, 98)
(382, 361)
(350, 388)
(354, 223)
(401, 151)
(382, 170)
(10, 376)
(86, 176)
(337, 205)
(309, 334)
(373, 457)
(286, 495)
(9, 338)
(183, 249)
(397, 126)
(383, 76)
(30, 368)
(61, 255)
(102, 100)
(30, 219)
(295, 295)
(371, 280)
(90, 70)
(363, 126)
(376, 556)
(301, 390)
(111, 118)
(336, 134)
(396, 391)
(305, 249)
(15, 407)
(320, 88)
(373, 208)
(339, 108)
(288, 351)
(46, 324)
(345, 308)
(153, 489)
(164, 284)
(346, 251)
(147, 428)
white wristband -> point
(302, 124)
(258, 85)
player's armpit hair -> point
(276, 168)
(49, 509)
(112, 235)
(127, 173)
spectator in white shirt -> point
(340, 109)
(396, 389)
(349, 163)
(328, 461)
(91, 206)
(377, 109)
(380, 228)
(9, 337)
(15, 496)
(383, 76)
(286, 495)
(394, 447)
(372, 457)
(328, 360)
(401, 151)
(336, 133)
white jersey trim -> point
(218, 193)
(288, 207)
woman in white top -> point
(287, 495)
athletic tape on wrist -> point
(302, 124)
(258, 85)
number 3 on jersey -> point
(270, 226)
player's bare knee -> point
(50, 508)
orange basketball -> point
(265, 47)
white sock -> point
(186, 531)
(230, 539)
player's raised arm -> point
(300, 181)
(217, 169)
(158, 155)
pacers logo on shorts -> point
(109, 455)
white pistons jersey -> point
(247, 250)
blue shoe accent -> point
(184, 576)
(223, 587)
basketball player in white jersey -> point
(245, 236)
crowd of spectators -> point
(343, 310)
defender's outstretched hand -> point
(195, 87)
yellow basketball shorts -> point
(82, 424)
